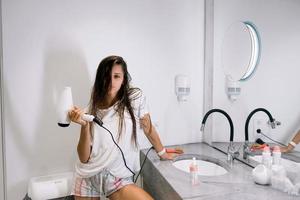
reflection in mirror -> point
(241, 50)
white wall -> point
(275, 84)
(2, 175)
(50, 44)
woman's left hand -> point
(167, 156)
(287, 149)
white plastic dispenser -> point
(266, 157)
(233, 88)
(182, 87)
(194, 172)
(276, 155)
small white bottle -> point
(194, 172)
(266, 157)
(276, 155)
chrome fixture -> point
(272, 122)
(232, 152)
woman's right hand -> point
(75, 116)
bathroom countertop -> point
(163, 181)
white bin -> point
(50, 187)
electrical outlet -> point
(261, 124)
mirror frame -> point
(255, 50)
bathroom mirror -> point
(241, 50)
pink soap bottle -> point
(266, 157)
(194, 172)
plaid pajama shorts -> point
(102, 184)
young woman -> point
(100, 170)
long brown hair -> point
(124, 96)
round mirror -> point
(241, 50)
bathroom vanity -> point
(164, 181)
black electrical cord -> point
(112, 137)
(259, 132)
(100, 123)
(143, 164)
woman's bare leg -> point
(130, 192)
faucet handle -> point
(236, 154)
(233, 150)
(246, 150)
(274, 123)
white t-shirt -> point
(105, 154)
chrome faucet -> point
(273, 123)
(232, 152)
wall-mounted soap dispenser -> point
(233, 88)
(182, 87)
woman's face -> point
(117, 77)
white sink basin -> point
(284, 162)
(206, 168)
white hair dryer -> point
(65, 104)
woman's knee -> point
(130, 192)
